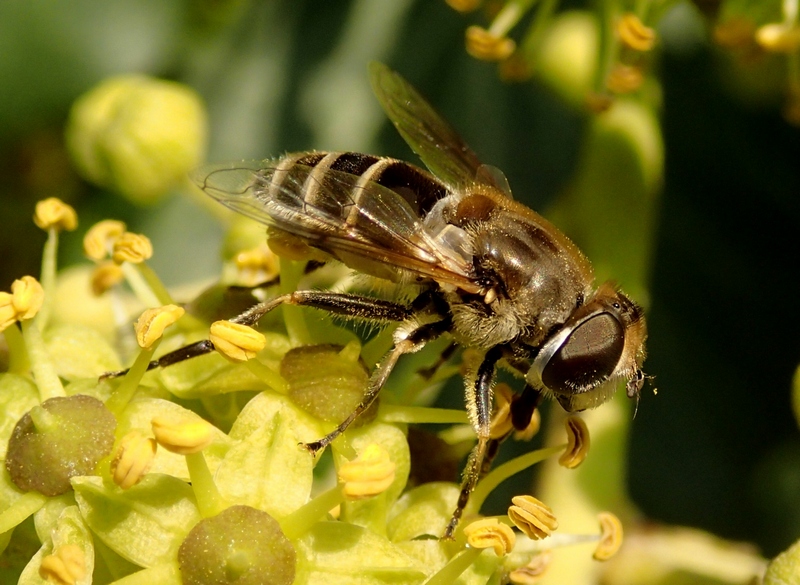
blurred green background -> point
(717, 447)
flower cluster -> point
(591, 57)
(193, 473)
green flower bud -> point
(137, 135)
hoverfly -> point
(490, 272)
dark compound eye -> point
(587, 358)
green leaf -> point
(145, 524)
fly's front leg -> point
(479, 404)
(339, 303)
(413, 342)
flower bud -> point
(137, 135)
(54, 213)
(134, 248)
(99, 240)
(66, 566)
(369, 475)
(577, 443)
(490, 533)
(533, 517)
(151, 324)
(27, 296)
(235, 341)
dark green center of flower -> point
(61, 438)
(240, 545)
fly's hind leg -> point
(339, 303)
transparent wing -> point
(439, 146)
(357, 221)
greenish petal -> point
(80, 352)
(145, 524)
(18, 395)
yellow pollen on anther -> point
(485, 46)
(27, 296)
(501, 423)
(52, 213)
(235, 341)
(634, 34)
(533, 517)
(133, 248)
(610, 537)
(531, 573)
(99, 239)
(65, 566)
(151, 324)
(368, 475)
(490, 533)
(183, 437)
(132, 459)
(779, 37)
(578, 443)
(105, 276)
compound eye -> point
(587, 358)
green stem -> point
(48, 277)
(18, 361)
(453, 569)
(607, 11)
(509, 468)
(140, 286)
(267, 375)
(509, 16)
(395, 413)
(301, 520)
(293, 317)
(44, 372)
(130, 382)
(155, 284)
(209, 500)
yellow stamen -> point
(8, 314)
(151, 324)
(133, 248)
(778, 37)
(183, 437)
(533, 517)
(610, 537)
(256, 265)
(27, 296)
(531, 573)
(578, 443)
(501, 423)
(369, 475)
(52, 213)
(132, 459)
(486, 46)
(634, 34)
(624, 78)
(463, 6)
(533, 427)
(65, 566)
(235, 341)
(99, 240)
(106, 276)
(490, 533)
